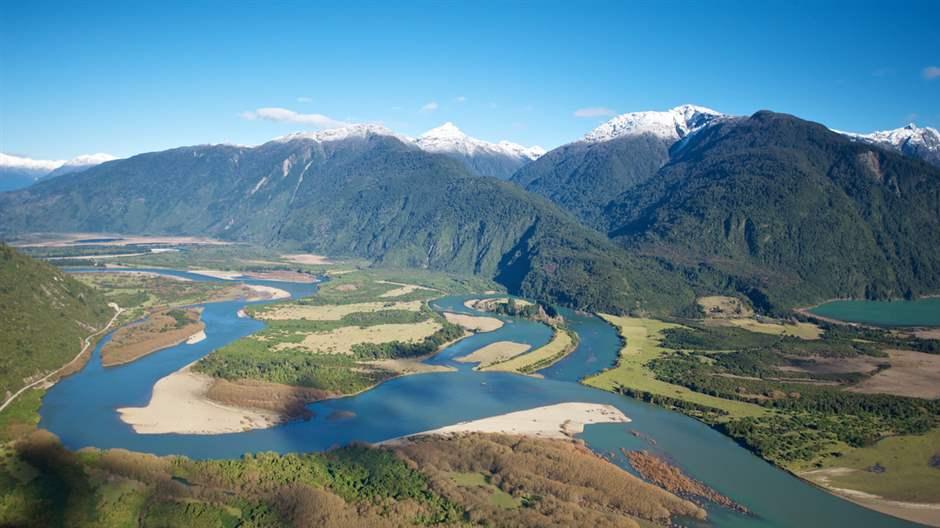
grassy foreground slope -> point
(525, 482)
(44, 315)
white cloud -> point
(594, 111)
(460, 99)
(430, 107)
(931, 72)
(304, 99)
(283, 115)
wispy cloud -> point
(594, 111)
(460, 99)
(931, 72)
(304, 99)
(284, 115)
(430, 107)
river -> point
(80, 409)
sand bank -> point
(196, 338)
(495, 353)
(474, 323)
(179, 405)
(562, 420)
(217, 274)
(266, 292)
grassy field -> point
(801, 330)
(562, 343)
(903, 468)
(498, 497)
(140, 294)
(642, 338)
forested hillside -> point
(44, 315)
(368, 195)
(789, 212)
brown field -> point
(307, 258)
(341, 340)
(494, 353)
(158, 331)
(913, 374)
(721, 307)
(332, 312)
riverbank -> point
(924, 513)
(157, 332)
(559, 421)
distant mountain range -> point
(499, 160)
(360, 190)
(911, 140)
(17, 172)
(671, 204)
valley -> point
(271, 401)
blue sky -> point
(128, 77)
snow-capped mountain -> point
(360, 131)
(671, 125)
(18, 171)
(80, 163)
(499, 160)
(911, 140)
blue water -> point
(918, 312)
(81, 411)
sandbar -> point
(495, 353)
(474, 323)
(179, 405)
(562, 420)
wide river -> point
(80, 409)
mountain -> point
(44, 315)
(499, 160)
(789, 212)
(360, 191)
(585, 175)
(911, 140)
(17, 172)
(80, 163)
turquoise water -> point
(81, 411)
(921, 312)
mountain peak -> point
(447, 130)
(672, 124)
(448, 139)
(910, 140)
(357, 130)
